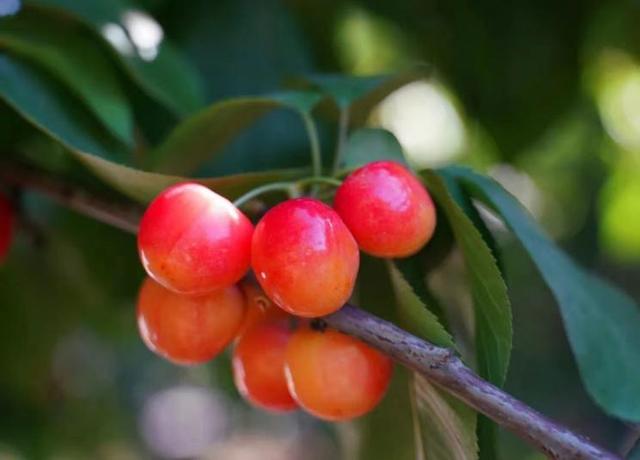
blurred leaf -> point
(371, 144)
(166, 76)
(361, 94)
(197, 138)
(602, 323)
(414, 314)
(144, 186)
(447, 426)
(46, 106)
(63, 50)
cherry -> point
(188, 329)
(387, 209)
(258, 366)
(334, 376)
(304, 257)
(259, 307)
(6, 226)
(194, 241)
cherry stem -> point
(314, 143)
(293, 189)
(439, 365)
(343, 128)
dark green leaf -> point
(47, 106)
(492, 307)
(602, 323)
(163, 73)
(197, 138)
(65, 51)
(370, 144)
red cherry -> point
(258, 366)
(6, 226)
(304, 257)
(334, 376)
(387, 209)
(193, 240)
(188, 329)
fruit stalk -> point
(440, 365)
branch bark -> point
(439, 365)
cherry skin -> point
(6, 226)
(188, 329)
(304, 257)
(260, 308)
(387, 209)
(194, 241)
(258, 366)
(334, 376)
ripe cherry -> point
(334, 376)
(260, 308)
(387, 209)
(188, 329)
(304, 257)
(258, 366)
(6, 226)
(194, 241)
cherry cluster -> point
(198, 247)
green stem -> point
(312, 132)
(287, 187)
(319, 180)
(343, 127)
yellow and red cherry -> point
(304, 257)
(187, 329)
(194, 241)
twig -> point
(440, 365)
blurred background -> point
(542, 95)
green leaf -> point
(65, 51)
(447, 426)
(48, 107)
(143, 186)
(602, 323)
(361, 94)
(200, 136)
(414, 314)
(164, 74)
(491, 303)
(370, 144)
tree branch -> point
(439, 365)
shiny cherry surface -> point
(334, 376)
(258, 366)
(304, 257)
(188, 329)
(387, 209)
(193, 241)
(6, 226)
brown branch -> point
(439, 365)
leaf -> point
(371, 144)
(361, 94)
(48, 107)
(602, 323)
(414, 314)
(143, 186)
(63, 50)
(200, 136)
(163, 73)
(491, 303)
(445, 427)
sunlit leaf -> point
(602, 323)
